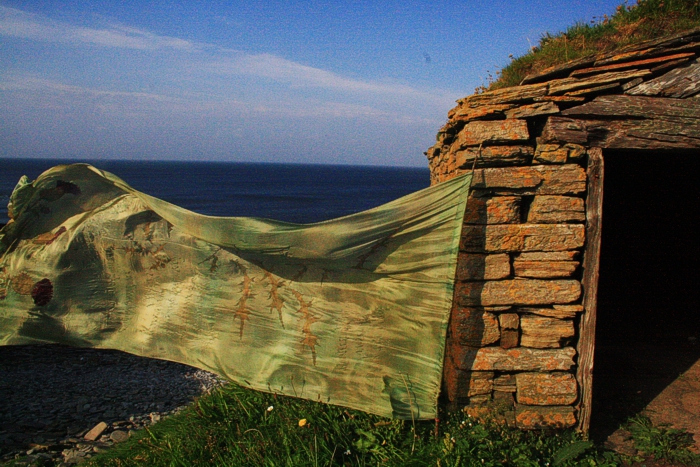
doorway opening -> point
(648, 315)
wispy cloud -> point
(177, 97)
(17, 23)
(298, 75)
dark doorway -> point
(648, 319)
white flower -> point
(269, 409)
(347, 453)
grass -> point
(629, 24)
(236, 426)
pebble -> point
(52, 397)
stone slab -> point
(545, 269)
(475, 266)
(521, 237)
(518, 292)
(556, 209)
(492, 131)
(535, 417)
(495, 210)
(546, 388)
(545, 332)
(537, 179)
(474, 327)
(518, 359)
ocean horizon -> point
(299, 193)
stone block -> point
(518, 359)
(557, 311)
(536, 417)
(466, 113)
(504, 383)
(556, 209)
(533, 110)
(543, 332)
(551, 154)
(547, 256)
(518, 292)
(475, 266)
(509, 321)
(511, 94)
(474, 327)
(491, 156)
(537, 179)
(509, 338)
(521, 237)
(96, 431)
(461, 385)
(496, 210)
(546, 388)
(492, 131)
(545, 269)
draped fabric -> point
(351, 311)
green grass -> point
(629, 24)
(236, 427)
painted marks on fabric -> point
(62, 188)
(309, 340)
(276, 302)
(141, 229)
(242, 309)
(48, 238)
(22, 284)
(42, 292)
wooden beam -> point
(591, 259)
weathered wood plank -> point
(633, 64)
(679, 82)
(589, 281)
(680, 133)
(635, 106)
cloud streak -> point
(100, 87)
(19, 24)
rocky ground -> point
(59, 404)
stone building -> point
(522, 334)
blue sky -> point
(313, 82)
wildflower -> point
(269, 409)
(347, 453)
(302, 422)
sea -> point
(299, 193)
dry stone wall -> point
(514, 338)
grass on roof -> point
(630, 24)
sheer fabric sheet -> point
(352, 311)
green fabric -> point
(352, 311)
